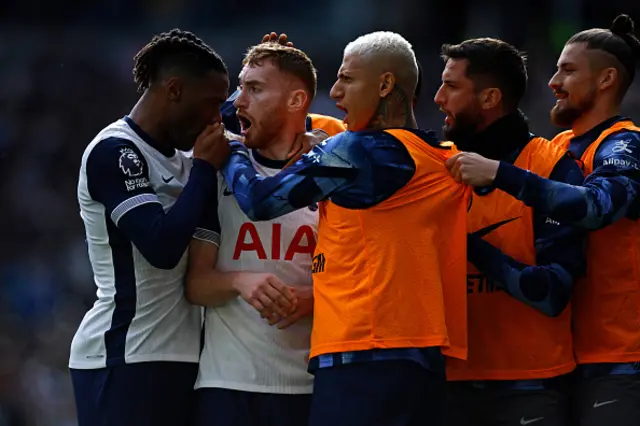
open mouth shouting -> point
(245, 123)
(343, 109)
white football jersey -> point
(141, 313)
(241, 351)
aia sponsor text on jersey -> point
(249, 240)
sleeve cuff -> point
(207, 235)
(131, 203)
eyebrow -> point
(565, 64)
(251, 82)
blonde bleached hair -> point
(392, 52)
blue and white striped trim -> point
(207, 235)
(131, 203)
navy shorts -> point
(141, 394)
(538, 402)
(389, 393)
(607, 397)
(225, 407)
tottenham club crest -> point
(130, 163)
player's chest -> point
(168, 180)
(282, 238)
(495, 213)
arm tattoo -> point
(393, 111)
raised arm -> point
(607, 195)
(353, 170)
(133, 205)
(546, 286)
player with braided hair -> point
(181, 54)
(134, 357)
(595, 70)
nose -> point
(439, 98)
(336, 91)
(240, 101)
(554, 82)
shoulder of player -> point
(623, 143)
(562, 136)
(627, 135)
(533, 138)
(114, 152)
(545, 148)
(370, 141)
(327, 123)
(362, 140)
(392, 135)
(372, 148)
(314, 116)
(111, 145)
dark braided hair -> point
(174, 49)
(618, 41)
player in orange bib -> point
(391, 246)
(595, 70)
(522, 264)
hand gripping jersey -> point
(393, 275)
(509, 340)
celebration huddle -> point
(258, 264)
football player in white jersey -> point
(134, 357)
(253, 368)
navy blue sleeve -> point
(560, 258)
(354, 170)
(606, 195)
(118, 178)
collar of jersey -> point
(579, 144)
(501, 139)
(267, 162)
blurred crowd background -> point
(66, 73)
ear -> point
(173, 87)
(297, 100)
(607, 78)
(490, 97)
(387, 83)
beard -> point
(567, 115)
(262, 133)
(465, 126)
